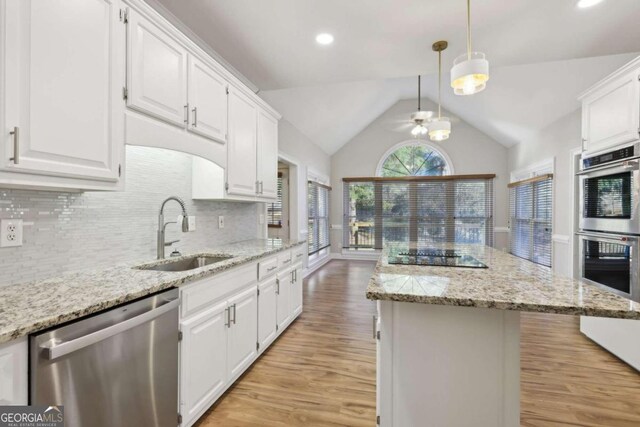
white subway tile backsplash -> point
(76, 231)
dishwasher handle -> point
(54, 349)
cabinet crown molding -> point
(627, 68)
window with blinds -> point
(318, 198)
(274, 210)
(530, 218)
(422, 209)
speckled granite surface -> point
(510, 283)
(34, 306)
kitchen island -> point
(449, 338)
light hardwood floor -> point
(321, 371)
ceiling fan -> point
(420, 118)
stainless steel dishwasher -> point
(117, 368)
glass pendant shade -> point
(419, 130)
(470, 73)
(439, 129)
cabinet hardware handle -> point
(375, 321)
(186, 114)
(227, 316)
(234, 313)
(277, 286)
(272, 268)
(286, 261)
(299, 255)
(16, 145)
(261, 187)
(257, 187)
(195, 116)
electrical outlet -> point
(220, 221)
(10, 233)
(192, 222)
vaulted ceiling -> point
(542, 53)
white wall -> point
(310, 161)
(470, 150)
(555, 141)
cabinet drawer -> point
(199, 295)
(267, 267)
(284, 259)
(297, 254)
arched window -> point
(414, 159)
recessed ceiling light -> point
(587, 3)
(324, 38)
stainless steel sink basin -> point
(185, 264)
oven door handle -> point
(607, 236)
(54, 349)
(626, 165)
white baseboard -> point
(316, 265)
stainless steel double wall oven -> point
(609, 220)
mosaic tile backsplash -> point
(78, 231)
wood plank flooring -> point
(321, 371)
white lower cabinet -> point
(267, 312)
(243, 332)
(283, 290)
(13, 372)
(296, 290)
(203, 360)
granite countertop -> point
(509, 283)
(34, 306)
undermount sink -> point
(185, 264)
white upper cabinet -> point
(63, 73)
(611, 110)
(241, 150)
(156, 70)
(267, 155)
(207, 101)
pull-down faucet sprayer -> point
(162, 224)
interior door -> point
(296, 291)
(203, 360)
(157, 71)
(243, 332)
(63, 87)
(267, 155)
(267, 312)
(283, 290)
(611, 116)
(241, 150)
(207, 101)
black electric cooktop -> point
(433, 257)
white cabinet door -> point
(243, 332)
(63, 81)
(13, 372)
(207, 101)
(203, 359)
(241, 150)
(283, 290)
(157, 71)
(267, 155)
(267, 311)
(611, 115)
(296, 290)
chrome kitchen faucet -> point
(162, 225)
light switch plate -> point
(192, 223)
(10, 233)
(220, 221)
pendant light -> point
(420, 118)
(440, 127)
(470, 71)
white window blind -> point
(274, 210)
(318, 198)
(433, 209)
(530, 206)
